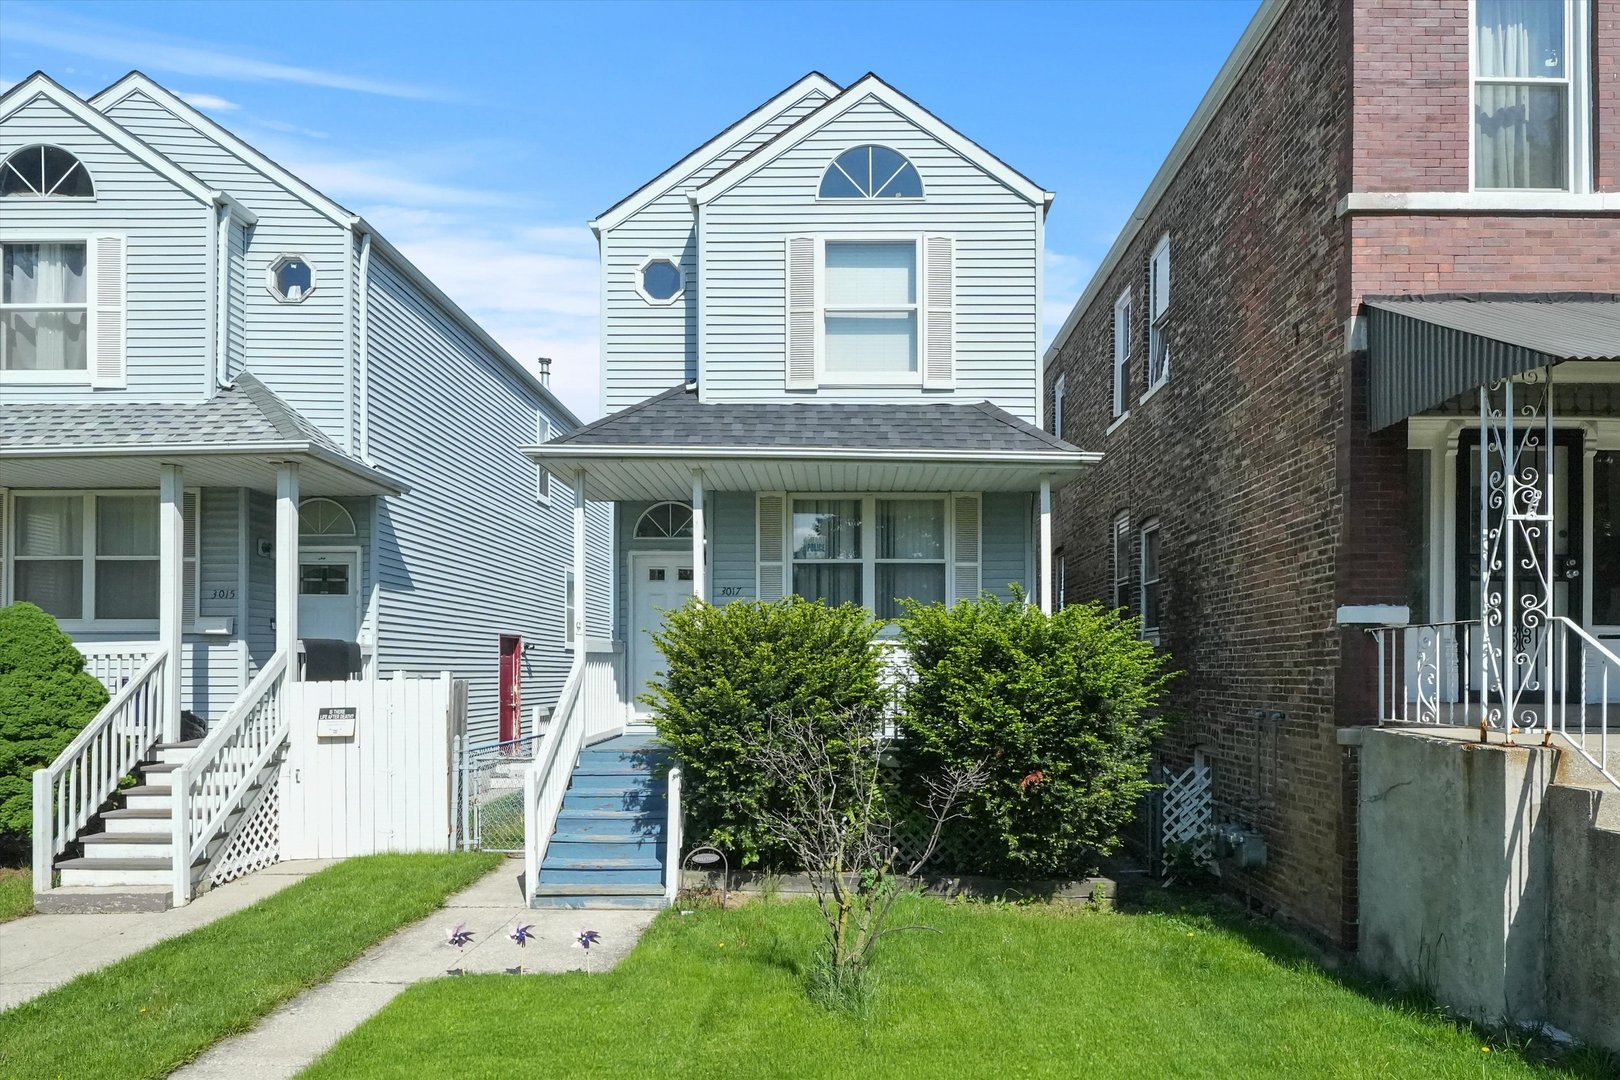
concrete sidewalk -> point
(293, 1036)
(41, 952)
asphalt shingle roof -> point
(677, 418)
(245, 413)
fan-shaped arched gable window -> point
(45, 170)
(871, 172)
(665, 520)
(323, 517)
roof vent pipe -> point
(545, 371)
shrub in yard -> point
(727, 669)
(46, 698)
(1062, 707)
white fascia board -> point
(41, 85)
(872, 86)
(381, 246)
(1254, 35)
(616, 214)
(1057, 459)
(139, 82)
(279, 449)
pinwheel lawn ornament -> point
(521, 934)
(585, 940)
(460, 936)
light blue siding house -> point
(821, 374)
(244, 442)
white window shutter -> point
(107, 322)
(801, 313)
(966, 546)
(771, 533)
(939, 312)
(189, 586)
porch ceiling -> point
(655, 473)
(1425, 350)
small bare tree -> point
(839, 821)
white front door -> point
(329, 595)
(657, 583)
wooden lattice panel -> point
(1189, 809)
(257, 844)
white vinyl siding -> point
(1158, 359)
(646, 349)
(990, 315)
(155, 335)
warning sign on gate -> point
(335, 721)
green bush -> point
(1062, 707)
(46, 698)
(726, 670)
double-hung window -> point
(94, 557)
(1122, 350)
(1150, 578)
(1122, 559)
(870, 311)
(1158, 365)
(869, 551)
(1058, 389)
(1532, 126)
(44, 309)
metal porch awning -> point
(1424, 351)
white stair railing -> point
(1428, 672)
(673, 838)
(210, 786)
(116, 663)
(1587, 691)
(70, 790)
(546, 780)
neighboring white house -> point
(245, 442)
(821, 368)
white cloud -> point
(394, 182)
(206, 101)
(1066, 277)
(289, 129)
(123, 44)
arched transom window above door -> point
(323, 517)
(666, 520)
(871, 172)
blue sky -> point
(481, 137)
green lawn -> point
(16, 893)
(147, 1014)
(1000, 991)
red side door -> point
(511, 687)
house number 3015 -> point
(222, 594)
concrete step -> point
(585, 897)
(104, 900)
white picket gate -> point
(386, 787)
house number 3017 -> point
(222, 594)
(731, 590)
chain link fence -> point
(489, 793)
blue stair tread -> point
(599, 890)
(627, 862)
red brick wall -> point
(1407, 253)
(1411, 95)
(1239, 455)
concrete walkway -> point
(41, 952)
(293, 1036)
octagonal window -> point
(290, 278)
(660, 280)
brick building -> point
(1281, 359)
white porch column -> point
(580, 621)
(171, 589)
(699, 531)
(287, 566)
(1046, 544)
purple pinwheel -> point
(586, 939)
(460, 936)
(521, 935)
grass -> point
(16, 893)
(151, 1012)
(999, 991)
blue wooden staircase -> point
(608, 850)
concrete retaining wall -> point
(1486, 885)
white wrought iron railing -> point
(116, 663)
(211, 784)
(70, 790)
(591, 707)
(1428, 673)
(673, 838)
(1592, 672)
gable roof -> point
(870, 86)
(714, 148)
(40, 85)
(140, 82)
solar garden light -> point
(707, 856)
